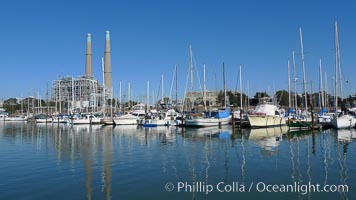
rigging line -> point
(196, 71)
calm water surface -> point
(128, 162)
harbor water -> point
(59, 161)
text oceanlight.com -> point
(202, 187)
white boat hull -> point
(155, 122)
(126, 121)
(260, 121)
(204, 122)
(85, 121)
(15, 119)
(48, 120)
(344, 121)
(61, 121)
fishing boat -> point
(133, 117)
(168, 118)
(266, 114)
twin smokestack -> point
(107, 61)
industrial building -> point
(84, 93)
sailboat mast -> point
(148, 96)
(338, 61)
(321, 86)
(162, 90)
(304, 79)
(170, 99)
(295, 83)
(72, 93)
(191, 74)
(224, 85)
(120, 99)
(336, 65)
(248, 95)
(326, 90)
(129, 94)
(241, 109)
(176, 85)
(289, 95)
(112, 91)
(204, 88)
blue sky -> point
(42, 40)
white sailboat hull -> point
(85, 121)
(344, 121)
(15, 119)
(64, 121)
(260, 121)
(204, 122)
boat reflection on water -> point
(223, 132)
(268, 139)
(332, 145)
(346, 135)
(85, 128)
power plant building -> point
(81, 94)
(84, 93)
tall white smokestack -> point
(107, 64)
(88, 63)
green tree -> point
(282, 97)
(220, 98)
(257, 96)
(11, 105)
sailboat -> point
(165, 117)
(216, 118)
(341, 120)
(302, 121)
